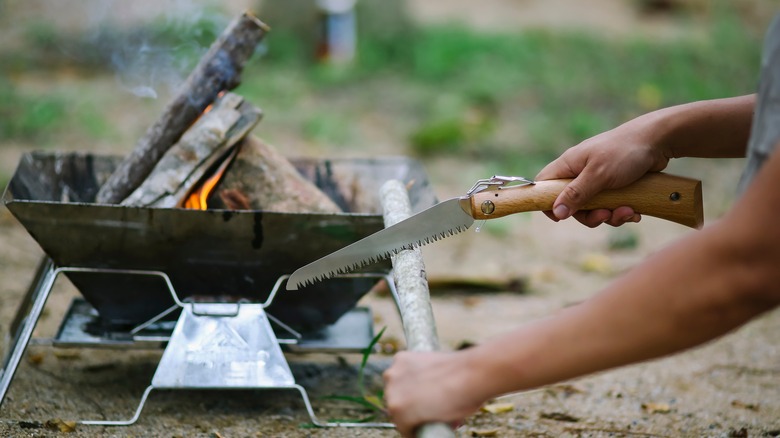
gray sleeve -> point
(765, 130)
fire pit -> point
(136, 266)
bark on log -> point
(218, 70)
(260, 178)
(207, 142)
(414, 302)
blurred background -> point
(495, 87)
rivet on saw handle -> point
(488, 207)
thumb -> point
(576, 194)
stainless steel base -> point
(209, 345)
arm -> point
(696, 290)
(715, 129)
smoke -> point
(147, 70)
(152, 45)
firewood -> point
(414, 300)
(261, 178)
(218, 70)
(207, 143)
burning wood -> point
(187, 155)
(215, 165)
(207, 143)
(218, 70)
(260, 178)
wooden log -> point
(261, 178)
(414, 302)
(218, 70)
(199, 150)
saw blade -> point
(442, 220)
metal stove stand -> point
(210, 346)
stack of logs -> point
(204, 131)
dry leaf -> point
(566, 390)
(498, 408)
(656, 408)
(471, 301)
(464, 344)
(559, 416)
(67, 354)
(543, 275)
(57, 424)
(738, 433)
(598, 263)
(743, 405)
(485, 432)
(35, 358)
(30, 425)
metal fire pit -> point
(150, 273)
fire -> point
(197, 199)
(211, 105)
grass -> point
(40, 118)
(26, 116)
(369, 401)
(511, 101)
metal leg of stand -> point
(122, 422)
(238, 317)
(25, 321)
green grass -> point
(513, 101)
(545, 91)
(24, 116)
(39, 118)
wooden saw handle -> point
(673, 198)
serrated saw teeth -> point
(436, 223)
(388, 254)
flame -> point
(209, 107)
(197, 199)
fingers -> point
(560, 168)
(622, 215)
(616, 218)
(395, 399)
(550, 214)
(593, 218)
(578, 192)
(415, 395)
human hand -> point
(423, 388)
(609, 160)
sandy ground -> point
(727, 388)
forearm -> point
(717, 128)
(696, 290)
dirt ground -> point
(727, 388)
